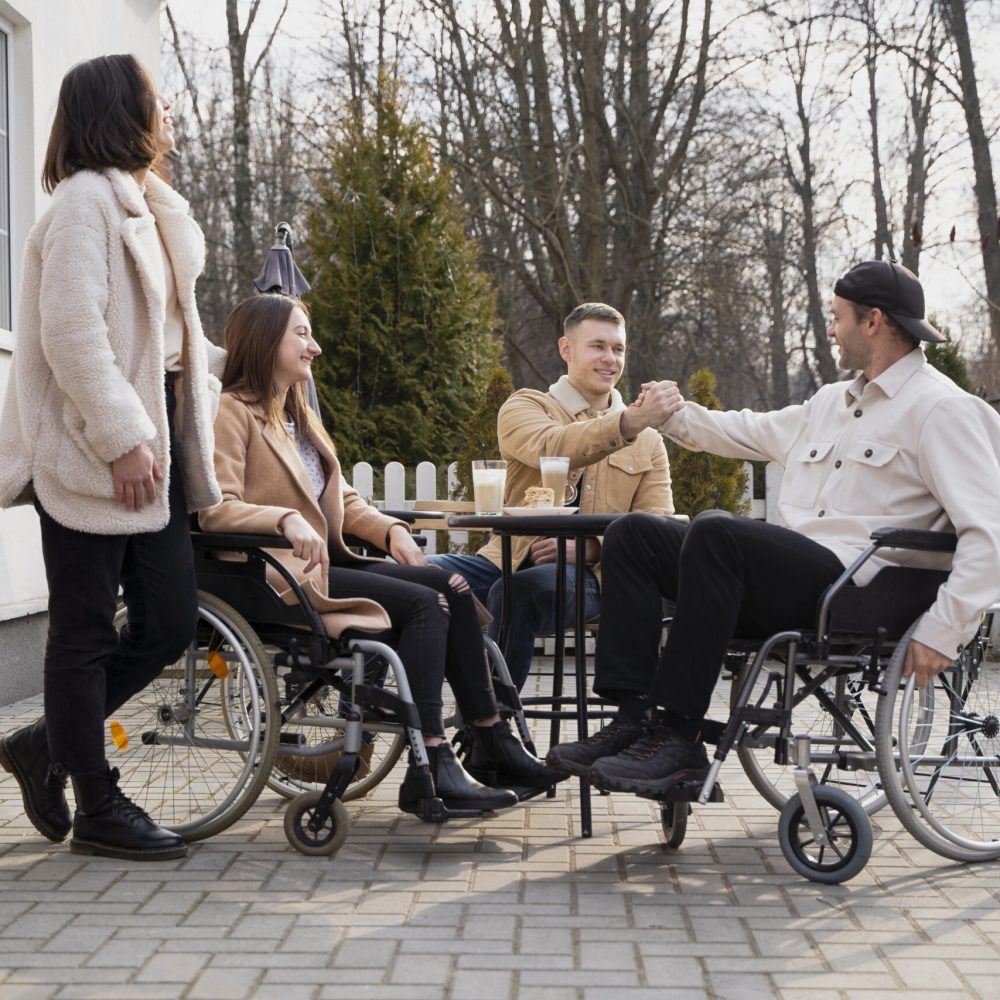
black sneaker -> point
(579, 758)
(652, 765)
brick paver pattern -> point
(514, 906)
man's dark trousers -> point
(726, 575)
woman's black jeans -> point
(435, 630)
(91, 669)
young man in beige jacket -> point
(618, 464)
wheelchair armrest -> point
(913, 538)
(235, 542)
(410, 516)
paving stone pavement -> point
(518, 906)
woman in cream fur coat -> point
(107, 426)
(279, 475)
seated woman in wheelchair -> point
(279, 474)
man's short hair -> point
(861, 313)
(593, 310)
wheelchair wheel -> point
(847, 827)
(838, 714)
(293, 775)
(939, 754)
(674, 821)
(194, 747)
(328, 839)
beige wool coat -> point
(263, 479)
(87, 379)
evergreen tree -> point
(947, 359)
(702, 481)
(405, 319)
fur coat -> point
(86, 385)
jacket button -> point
(631, 468)
(857, 413)
(589, 486)
(822, 512)
(837, 464)
(812, 454)
(868, 453)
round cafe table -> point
(578, 527)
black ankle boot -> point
(25, 754)
(453, 785)
(108, 823)
(498, 758)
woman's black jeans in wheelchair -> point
(90, 669)
(727, 576)
(435, 630)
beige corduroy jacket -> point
(263, 479)
(618, 475)
(87, 379)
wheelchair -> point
(828, 730)
(276, 703)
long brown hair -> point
(254, 330)
(106, 117)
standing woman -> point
(107, 424)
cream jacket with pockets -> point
(618, 475)
(908, 449)
(263, 479)
(87, 379)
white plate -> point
(538, 511)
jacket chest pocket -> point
(806, 470)
(869, 471)
(625, 472)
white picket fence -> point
(426, 489)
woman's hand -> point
(403, 548)
(306, 542)
(136, 474)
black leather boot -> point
(108, 823)
(453, 785)
(25, 754)
(498, 758)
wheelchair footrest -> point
(687, 791)
(433, 810)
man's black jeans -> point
(90, 669)
(727, 576)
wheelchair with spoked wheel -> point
(829, 731)
(263, 697)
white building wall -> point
(46, 38)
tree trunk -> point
(883, 236)
(242, 205)
(986, 197)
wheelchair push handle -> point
(914, 538)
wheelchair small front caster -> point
(300, 815)
(674, 820)
(847, 830)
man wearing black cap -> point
(901, 445)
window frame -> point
(7, 331)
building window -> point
(5, 289)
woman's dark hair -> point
(254, 330)
(106, 117)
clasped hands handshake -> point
(655, 404)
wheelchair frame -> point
(920, 761)
(221, 700)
